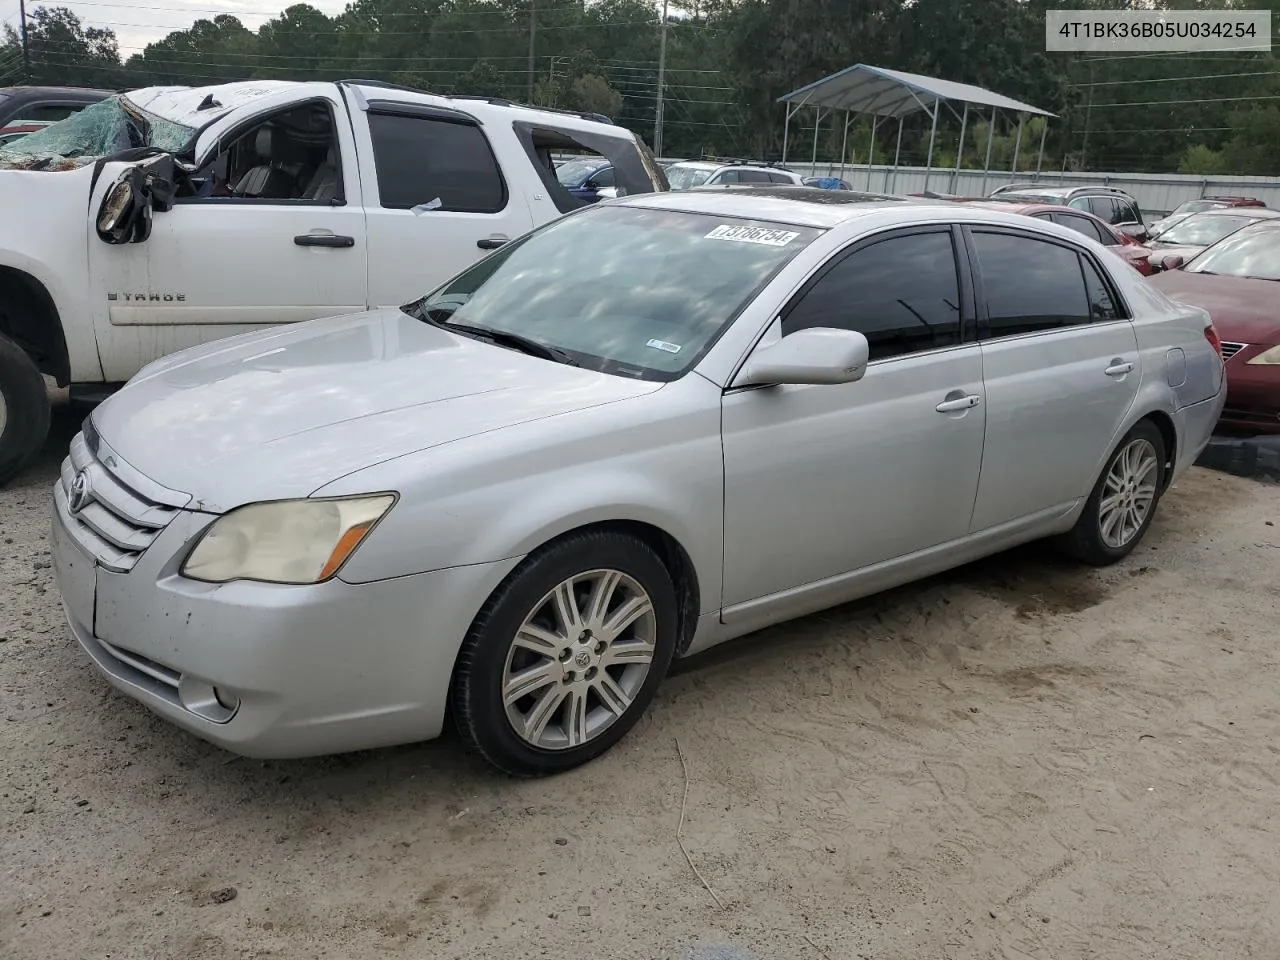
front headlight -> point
(1267, 356)
(287, 541)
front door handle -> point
(960, 403)
(1118, 368)
(324, 240)
(491, 243)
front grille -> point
(114, 523)
(1230, 349)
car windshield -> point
(1199, 206)
(99, 130)
(686, 178)
(1252, 253)
(627, 290)
(573, 172)
(1203, 229)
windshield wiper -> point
(516, 341)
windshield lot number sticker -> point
(770, 238)
(664, 346)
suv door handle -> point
(324, 240)
(491, 243)
(1118, 368)
(961, 403)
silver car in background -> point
(520, 497)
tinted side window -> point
(1129, 213)
(902, 293)
(424, 161)
(603, 177)
(725, 176)
(1029, 284)
(780, 178)
(753, 176)
(48, 112)
(1085, 226)
(1102, 306)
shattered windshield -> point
(99, 130)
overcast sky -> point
(139, 22)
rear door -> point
(436, 197)
(1060, 371)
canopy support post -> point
(786, 129)
(933, 132)
(813, 162)
(896, 154)
(1044, 132)
(964, 125)
(991, 134)
(1017, 148)
(871, 149)
(844, 142)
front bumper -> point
(1253, 397)
(271, 670)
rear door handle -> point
(324, 240)
(961, 403)
(491, 243)
(1118, 368)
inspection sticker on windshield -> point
(770, 238)
(664, 346)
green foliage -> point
(727, 62)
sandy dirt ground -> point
(1020, 759)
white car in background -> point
(687, 174)
(520, 496)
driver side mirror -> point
(816, 355)
(1172, 262)
(125, 214)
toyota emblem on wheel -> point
(80, 492)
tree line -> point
(726, 64)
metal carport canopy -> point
(893, 94)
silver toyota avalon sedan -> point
(656, 424)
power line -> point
(1159, 103)
(1210, 76)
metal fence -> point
(1156, 193)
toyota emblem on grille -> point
(80, 494)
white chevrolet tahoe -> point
(167, 217)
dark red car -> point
(1238, 281)
(1092, 227)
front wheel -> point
(24, 409)
(1123, 501)
(566, 655)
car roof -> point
(69, 93)
(800, 206)
(1253, 213)
(698, 164)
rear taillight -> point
(1215, 341)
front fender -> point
(654, 459)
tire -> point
(1096, 538)
(24, 409)
(567, 705)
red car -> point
(1092, 227)
(1238, 281)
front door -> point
(273, 234)
(824, 480)
(1061, 370)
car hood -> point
(282, 412)
(1242, 310)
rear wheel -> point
(24, 409)
(1123, 501)
(566, 655)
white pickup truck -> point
(167, 217)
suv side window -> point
(445, 164)
(46, 113)
(725, 176)
(902, 292)
(754, 176)
(1085, 226)
(290, 156)
(1029, 284)
(780, 178)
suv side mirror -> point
(816, 355)
(125, 213)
